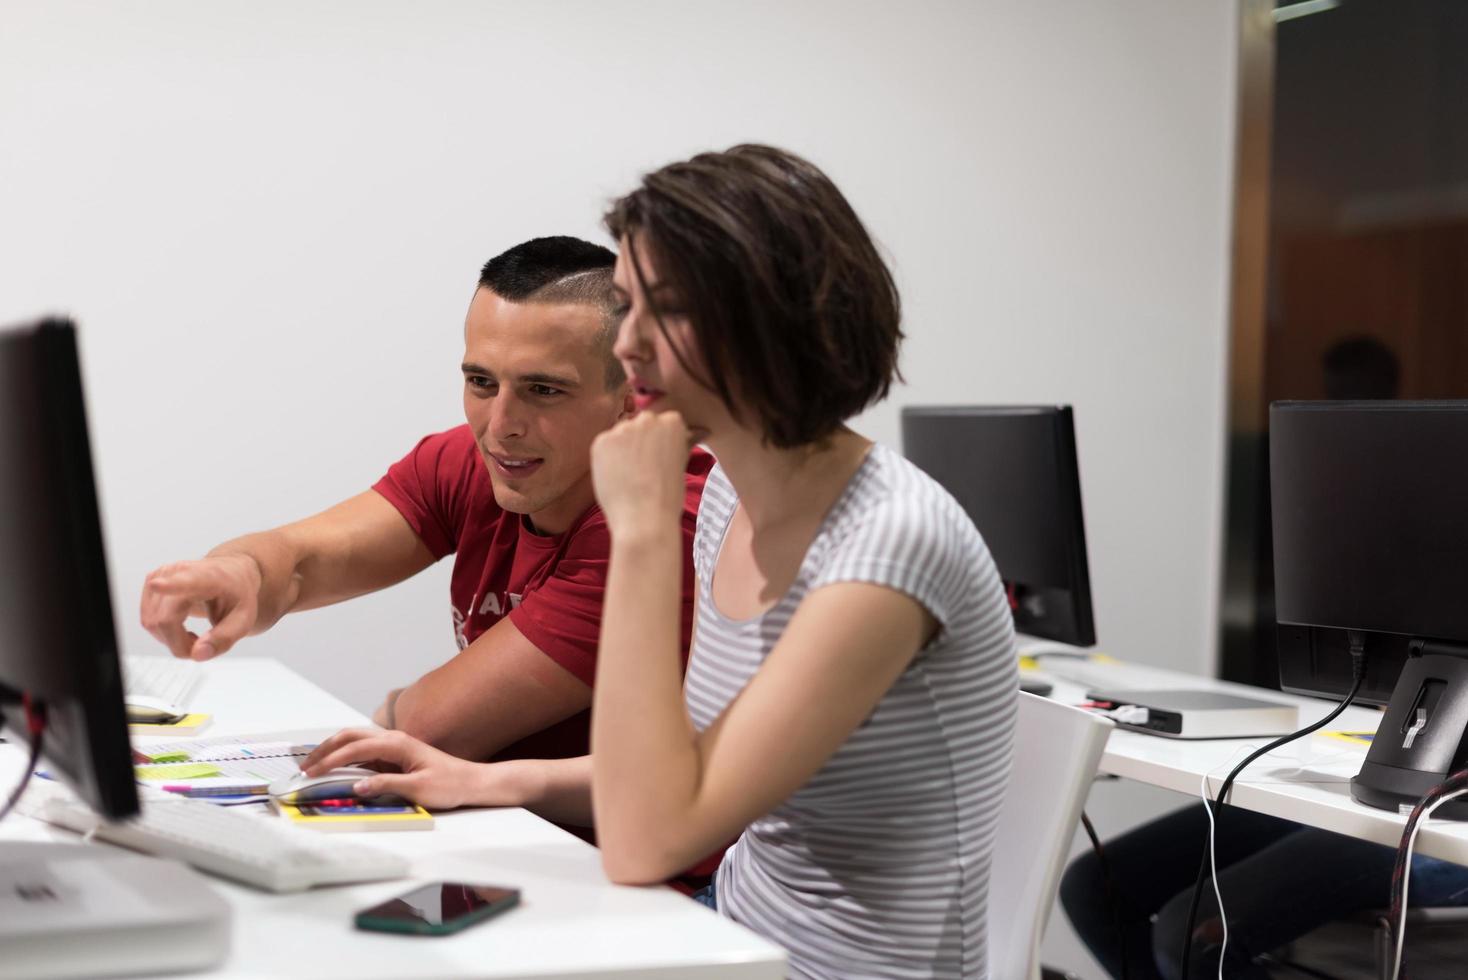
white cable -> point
(1213, 852)
(1407, 875)
(1213, 862)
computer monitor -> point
(58, 646)
(1370, 511)
(1014, 471)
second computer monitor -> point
(1014, 471)
(1370, 514)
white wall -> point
(269, 217)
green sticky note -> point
(174, 756)
(193, 770)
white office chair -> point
(1057, 749)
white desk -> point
(1307, 781)
(572, 922)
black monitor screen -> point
(1370, 513)
(1013, 469)
(57, 641)
(1371, 516)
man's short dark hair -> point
(560, 269)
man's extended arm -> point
(493, 693)
(245, 585)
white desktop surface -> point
(1307, 781)
(572, 922)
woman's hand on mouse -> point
(425, 775)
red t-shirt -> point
(549, 585)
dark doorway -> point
(1366, 292)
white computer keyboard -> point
(247, 847)
(165, 678)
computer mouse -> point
(143, 710)
(333, 785)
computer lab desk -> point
(572, 922)
(1307, 781)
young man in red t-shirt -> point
(509, 495)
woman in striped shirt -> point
(849, 704)
(849, 701)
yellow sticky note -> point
(1355, 738)
(191, 770)
(186, 725)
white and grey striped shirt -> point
(878, 866)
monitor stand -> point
(1420, 740)
(74, 910)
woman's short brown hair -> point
(795, 314)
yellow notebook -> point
(355, 815)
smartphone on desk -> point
(439, 909)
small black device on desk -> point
(439, 909)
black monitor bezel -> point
(1077, 590)
(86, 740)
(1313, 656)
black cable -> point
(1111, 892)
(36, 721)
(25, 779)
(1358, 672)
